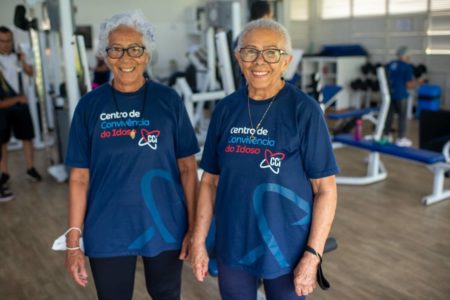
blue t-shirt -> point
(264, 196)
(399, 73)
(135, 202)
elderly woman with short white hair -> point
(133, 179)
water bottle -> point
(357, 133)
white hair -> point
(266, 24)
(135, 20)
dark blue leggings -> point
(114, 276)
(240, 285)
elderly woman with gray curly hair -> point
(269, 178)
(133, 175)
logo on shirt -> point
(153, 206)
(249, 141)
(272, 161)
(267, 234)
(149, 138)
(122, 124)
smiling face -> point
(264, 79)
(6, 42)
(128, 71)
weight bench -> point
(346, 119)
(327, 98)
(376, 171)
(352, 113)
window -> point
(335, 9)
(437, 5)
(407, 6)
(299, 10)
(363, 8)
(439, 28)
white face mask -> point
(60, 243)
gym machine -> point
(55, 47)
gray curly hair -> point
(266, 24)
(134, 19)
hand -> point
(22, 100)
(22, 56)
(199, 260)
(184, 253)
(305, 274)
(76, 266)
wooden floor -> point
(390, 246)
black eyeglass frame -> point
(261, 52)
(125, 50)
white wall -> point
(168, 18)
(379, 35)
(7, 18)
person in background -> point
(5, 193)
(260, 10)
(18, 118)
(7, 100)
(401, 79)
(269, 178)
(133, 177)
(102, 73)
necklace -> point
(255, 129)
(116, 105)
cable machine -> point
(58, 54)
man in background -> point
(5, 194)
(16, 110)
(260, 10)
(401, 79)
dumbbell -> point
(419, 70)
(370, 84)
(377, 65)
(366, 68)
(359, 85)
(375, 86)
(356, 84)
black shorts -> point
(3, 127)
(18, 122)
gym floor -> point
(390, 246)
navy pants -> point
(240, 285)
(114, 276)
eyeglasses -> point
(271, 56)
(117, 52)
